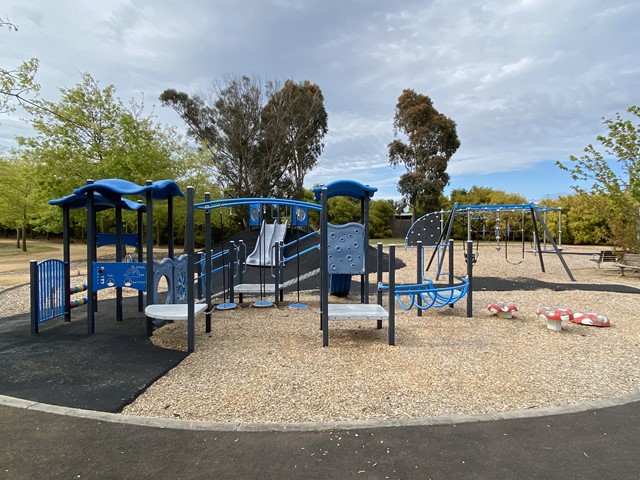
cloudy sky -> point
(527, 81)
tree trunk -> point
(17, 237)
(24, 229)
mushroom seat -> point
(590, 319)
(503, 309)
(554, 316)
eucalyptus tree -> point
(428, 139)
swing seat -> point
(176, 311)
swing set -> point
(501, 214)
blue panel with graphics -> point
(125, 274)
(300, 216)
(346, 248)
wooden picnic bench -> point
(605, 256)
(630, 261)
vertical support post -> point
(324, 270)
(118, 259)
(556, 249)
(560, 227)
(278, 267)
(451, 264)
(379, 255)
(189, 244)
(35, 295)
(171, 228)
(91, 257)
(140, 257)
(364, 284)
(470, 260)
(379, 269)
(66, 256)
(419, 273)
(231, 268)
(392, 294)
(536, 237)
(207, 263)
(149, 232)
(242, 261)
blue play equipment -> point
(433, 231)
(269, 249)
(96, 197)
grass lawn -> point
(8, 248)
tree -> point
(295, 122)
(431, 141)
(89, 133)
(18, 195)
(262, 139)
(615, 173)
(380, 214)
(17, 83)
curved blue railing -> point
(231, 202)
(430, 296)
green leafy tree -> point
(90, 133)
(585, 218)
(17, 84)
(613, 170)
(431, 140)
(262, 140)
(380, 215)
(18, 195)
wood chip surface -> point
(268, 365)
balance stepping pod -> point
(590, 319)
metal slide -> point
(270, 233)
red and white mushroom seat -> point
(554, 316)
(503, 309)
(590, 319)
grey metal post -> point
(66, 249)
(324, 271)
(276, 260)
(470, 278)
(555, 246)
(33, 269)
(170, 228)
(379, 269)
(140, 256)
(536, 237)
(232, 266)
(118, 259)
(392, 294)
(451, 265)
(91, 257)
(419, 273)
(364, 285)
(207, 263)
(149, 232)
(189, 241)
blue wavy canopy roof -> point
(108, 193)
(100, 202)
(116, 187)
(345, 188)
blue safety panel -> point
(116, 274)
(346, 248)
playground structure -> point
(435, 230)
(51, 289)
(190, 276)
